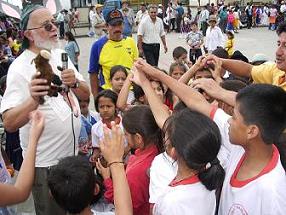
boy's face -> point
(194, 27)
(237, 128)
(183, 58)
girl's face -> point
(106, 108)
(177, 73)
(158, 89)
(131, 140)
(117, 81)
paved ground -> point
(248, 41)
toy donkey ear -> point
(9, 9)
(53, 5)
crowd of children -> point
(193, 140)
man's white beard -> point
(44, 44)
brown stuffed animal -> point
(43, 66)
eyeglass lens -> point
(49, 26)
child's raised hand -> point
(211, 87)
(216, 72)
(138, 78)
(112, 145)
(143, 66)
(37, 124)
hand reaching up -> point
(149, 70)
(211, 87)
(37, 125)
(112, 145)
(138, 77)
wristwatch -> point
(76, 85)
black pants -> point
(62, 29)
(172, 22)
(178, 21)
(249, 21)
(195, 54)
(204, 27)
(151, 53)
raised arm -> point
(192, 71)
(112, 148)
(189, 96)
(12, 194)
(159, 110)
(123, 94)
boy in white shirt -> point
(255, 180)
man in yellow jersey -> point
(108, 51)
(266, 73)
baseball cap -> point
(113, 17)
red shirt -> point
(137, 173)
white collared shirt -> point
(214, 38)
(150, 31)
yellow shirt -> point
(107, 53)
(114, 53)
(229, 46)
(268, 73)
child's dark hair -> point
(179, 106)
(138, 91)
(233, 85)
(139, 119)
(281, 28)
(117, 68)
(98, 182)
(177, 64)
(194, 23)
(72, 184)
(178, 52)
(197, 141)
(70, 37)
(264, 105)
(230, 34)
(107, 94)
(221, 53)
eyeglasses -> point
(48, 26)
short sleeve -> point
(141, 28)
(96, 133)
(263, 73)
(221, 120)
(15, 94)
(162, 32)
(96, 48)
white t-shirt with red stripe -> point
(262, 194)
(186, 197)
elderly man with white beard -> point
(22, 96)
